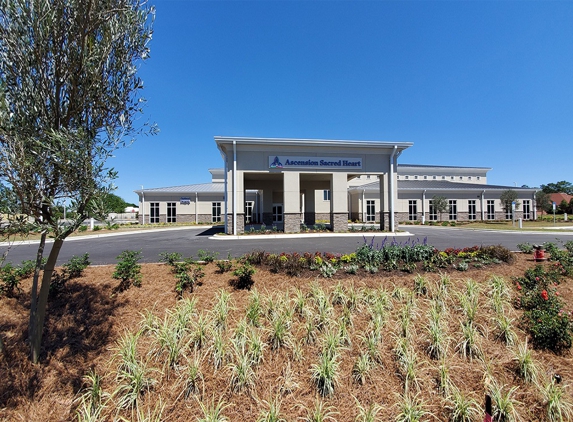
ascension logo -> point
(276, 164)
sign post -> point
(553, 212)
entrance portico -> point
(290, 174)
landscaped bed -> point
(397, 339)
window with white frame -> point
(509, 213)
(216, 212)
(433, 215)
(249, 206)
(172, 212)
(154, 212)
(453, 212)
(412, 210)
(370, 210)
(277, 213)
(472, 209)
(490, 209)
(326, 194)
(526, 209)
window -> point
(478, 178)
(469, 178)
(172, 212)
(453, 214)
(443, 177)
(412, 210)
(490, 209)
(433, 215)
(277, 213)
(416, 177)
(249, 206)
(526, 209)
(509, 213)
(370, 210)
(472, 209)
(452, 177)
(154, 212)
(406, 177)
(326, 194)
(216, 212)
(425, 177)
(434, 177)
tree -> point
(68, 69)
(558, 187)
(440, 204)
(542, 201)
(115, 203)
(507, 198)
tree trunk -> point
(42, 302)
(34, 292)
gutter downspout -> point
(142, 206)
(196, 215)
(423, 207)
(363, 208)
(226, 196)
(392, 220)
(234, 187)
(482, 209)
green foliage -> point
(10, 276)
(127, 269)
(525, 247)
(207, 256)
(10, 280)
(224, 266)
(244, 276)
(507, 197)
(543, 201)
(558, 187)
(550, 326)
(440, 204)
(170, 258)
(72, 269)
(76, 265)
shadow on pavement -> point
(212, 231)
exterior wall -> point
(462, 198)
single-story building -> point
(290, 182)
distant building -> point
(286, 182)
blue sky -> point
(470, 83)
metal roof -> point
(440, 185)
(198, 187)
(439, 167)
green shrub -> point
(548, 324)
(10, 280)
(82, 228)
(244, 276)
(224, 266)
(525, 247)
(96, 228)
(170, 258)
(187, 277)
(72, 269)
(207, 256)
(127, 269)
(498, 252)
(76, 265)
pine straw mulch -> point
(87, 319)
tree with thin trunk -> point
(507, 198)
(70, 95)
(440, 204)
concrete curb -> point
(307, 235)
(98, 236)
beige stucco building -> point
(288, 183)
